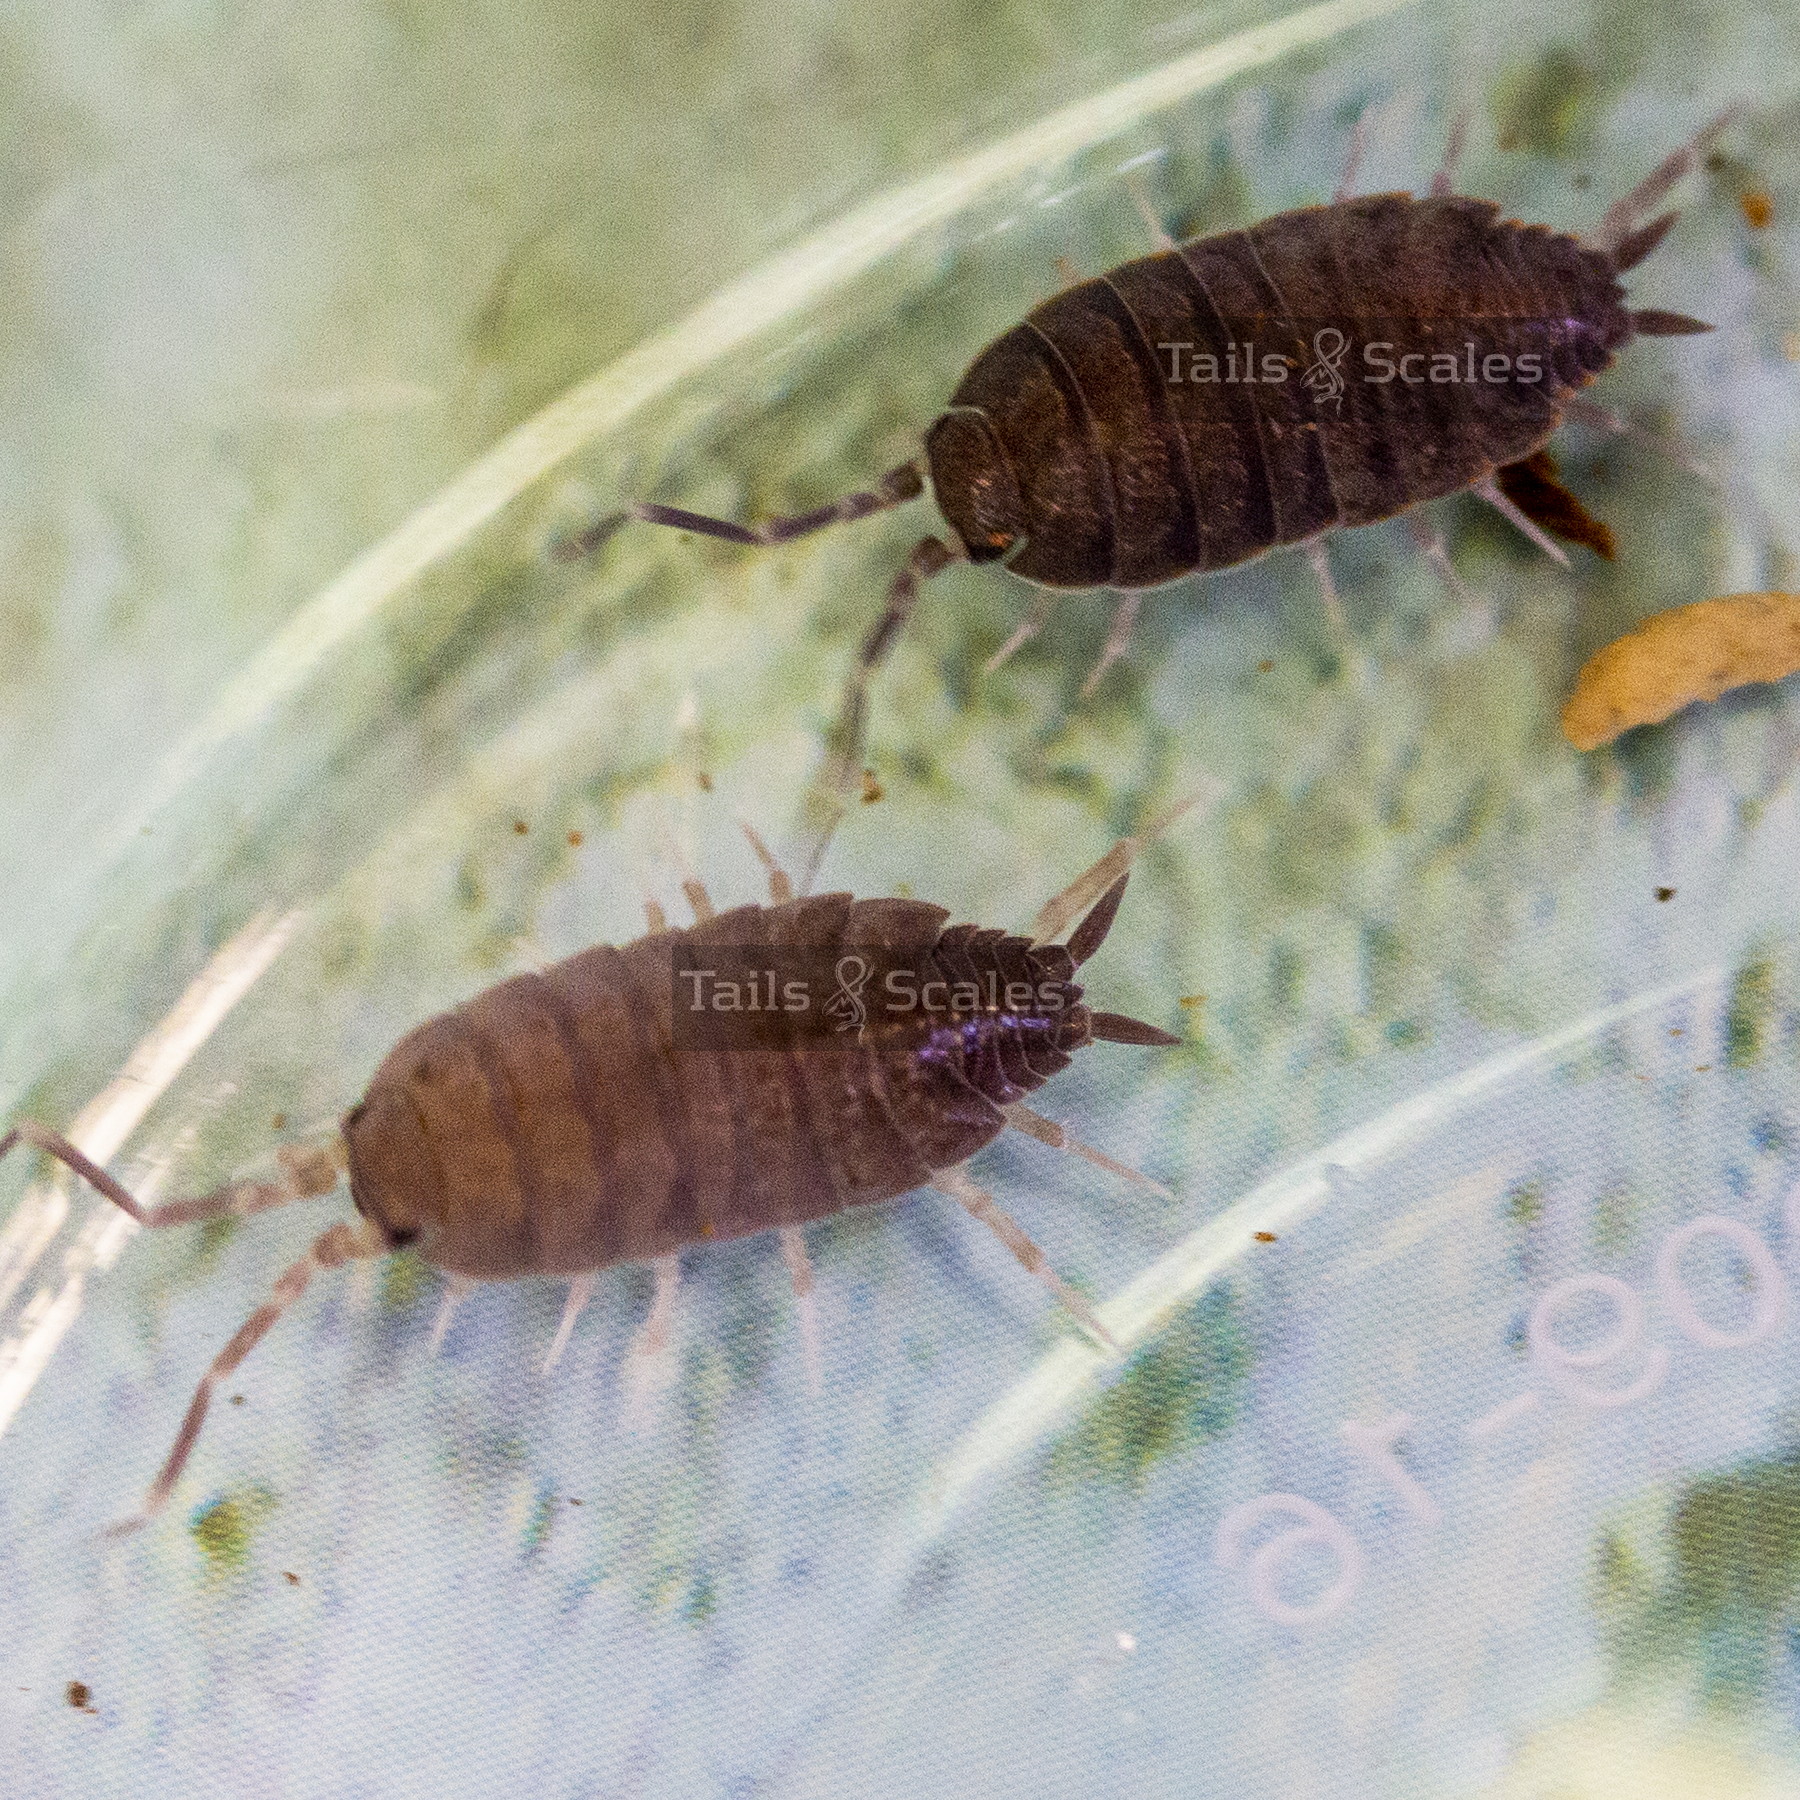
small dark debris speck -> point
(706, 782)
(520, 827)
(1665, 893)
(1266, 666)
(80, 1697)
(872, 790)
(1265, 1237)
(290, 1577)
(1758, 208)
(574, 1502)
(279, 1122)
(574, 840)
(237, 1399)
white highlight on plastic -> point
(1560, 1363)
(1015, 1424)
(1771, 1290)
(717, 329)
(1374, 1444)
(1317, 1527)
(99, 1129)
(1502, 1416)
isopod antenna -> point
(305, 1174)
(826, 799)
(900, 484)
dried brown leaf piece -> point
(1690, 653)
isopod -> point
(595, 1112)
(1187, 411)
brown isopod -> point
(1184, 412)
(587, 1114)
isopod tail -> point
(1090, 934)
(1633, 249)
(1615, 234)
(1093, 883)
(1650, 322)
(1116, 1028)
(1087, 937)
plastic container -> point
(1480, 1478)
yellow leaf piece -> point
(1675, 658)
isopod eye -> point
(974, 484)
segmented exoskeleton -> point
(1199, 406)
(595, 1112)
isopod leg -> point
(1353, 157)
(1118, 638)
(1320, 561)
(642, 1376)
(1140, 198)
(692, 888)
(653, 1338)
(827, 800)
(1619, 218)
(781, 890)
(306, 1173)
(1604, 418)
(1444, 181)
(1058, 1137)
(895, 488)
(457, 1288)
(581, 1291)
(1489, 490)
(800, 1277)
(331, 1249)
(979, 1203)
(1431, 542)
(1055, 914)
(1034, 621)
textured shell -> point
(555, 1123)
(1069, 433)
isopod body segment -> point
(1327, 367)
(603, 1110)
(599, 1111)
(1189, 410)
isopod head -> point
(974, 483)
